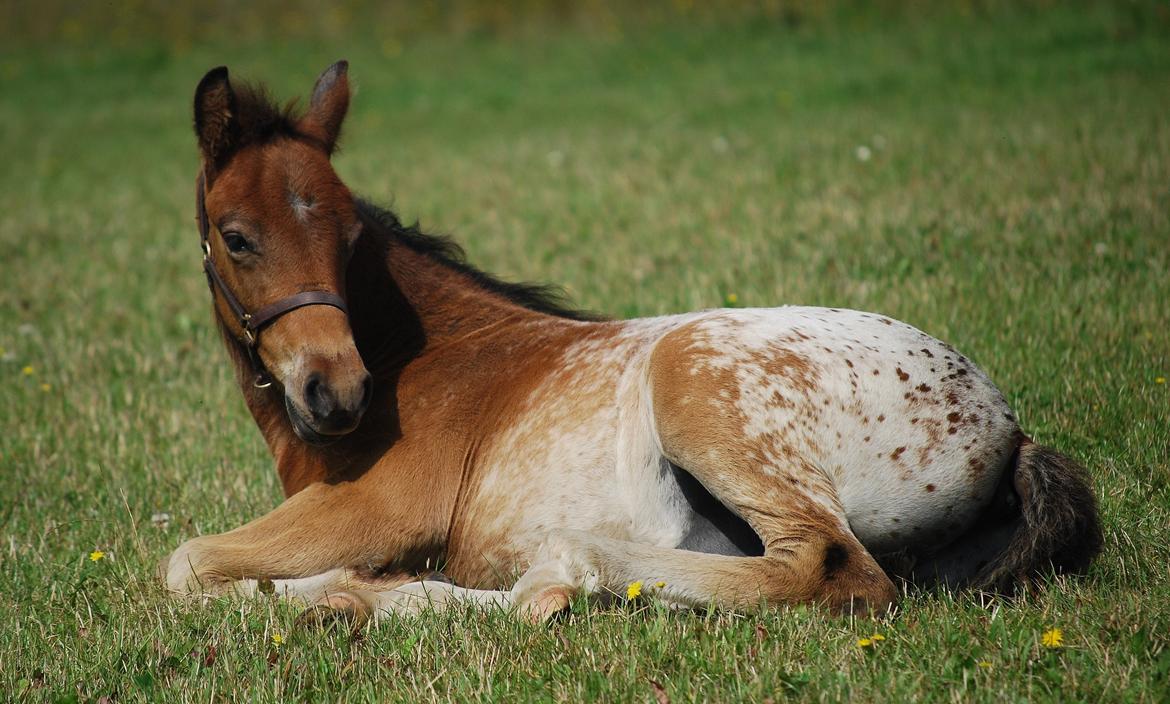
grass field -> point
(1001, 180)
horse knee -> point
(564, 565)
(185, 571)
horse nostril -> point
(311, 386)
(317, 396)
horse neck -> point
(442, 304)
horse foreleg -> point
(360, 605)
(317, 589)
(317, 530)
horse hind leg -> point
(712, 421)
(809, 557)
(830, 571)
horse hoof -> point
(547, 604)
(340, 610)
(320, 617)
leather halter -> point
(252, 323)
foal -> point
(424, 415)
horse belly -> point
(581, 456)
(528, 488)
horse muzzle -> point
(325, 411)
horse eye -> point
(236, 243)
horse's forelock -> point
(262, 120)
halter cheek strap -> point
(252, 323)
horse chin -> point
(305, 431)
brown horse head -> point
(281, 223)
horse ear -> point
(328, 105)
(216, 122)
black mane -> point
(543, 298)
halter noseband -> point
(252, 323)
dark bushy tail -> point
(1058, 528)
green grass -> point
(1016, 203)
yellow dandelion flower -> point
(28, 370)
(634, 590)
(660, 584)
(865, 642)
(46, 387)
(96, 555)
(277, 639)
(985, 664)
(876, 637)
(1052, 638)
(731, 299)
(1160, 380)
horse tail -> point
(1057, 529)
